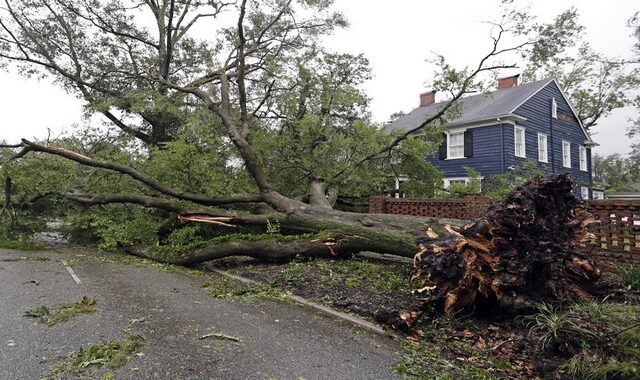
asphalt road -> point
(278, 340)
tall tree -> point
(634, 129)
(615, 172)
(263, 88)
(595, 84)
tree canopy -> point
(233, 114)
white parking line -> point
(72, 273)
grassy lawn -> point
(369, 288)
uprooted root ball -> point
(527, 248)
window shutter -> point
(442, 151)
(468, 143)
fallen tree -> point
(528, 248)
(274, 111)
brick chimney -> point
(507, 82)
(427, 98)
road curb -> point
(362, 323)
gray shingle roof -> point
(475, 107)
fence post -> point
(376, 204)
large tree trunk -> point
(334, 234)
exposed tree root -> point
(528, 248)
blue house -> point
(497, 131)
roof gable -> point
(476, 107)
(566, 100)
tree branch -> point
(147, 180)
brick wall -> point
(466, 208)
(618, 233)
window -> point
(449, 181)
(554, 108)
(584, 192)
(455, 145)
(519, 142)
(597, 194)
(543, 155)
(566, 154)
(462, 181)
(583, 158)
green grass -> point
(64, 312)
(228, 288)
(553, 325)
(353, 273)
(425, 361)
(603, 337)
(630, 274)
(127, 259)
(22, 245)
(113, 354)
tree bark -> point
(318, 193)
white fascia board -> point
(503, 119)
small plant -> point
(555, 326)
(273, 227)
(630, 274)
(65, 311)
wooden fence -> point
(617, 233)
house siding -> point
(537, 110)
(494, 146)
(485, 159)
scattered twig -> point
(220, 337)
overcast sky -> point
(397, 37)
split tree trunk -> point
(334, 234)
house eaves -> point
(511, 117)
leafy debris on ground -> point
(65, 311)
(113, 354)
(229, 288)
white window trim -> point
(584, 192)
(568, 143)
(524, 142)
(582, 153)
(554, 108)
(600, 194)
(546, 147)
(447, 181)
(449, 144)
